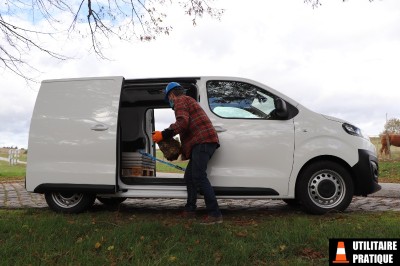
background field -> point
(4, 154)
(395, 151)
(389, 167)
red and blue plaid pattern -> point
(192, 124)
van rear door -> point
(73, 135)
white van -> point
(86, 133)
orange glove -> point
(157, 136)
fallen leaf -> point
(217, 256)
(250, 222)
(172, 258)
(241, 234)
(188, 225)
(311, 254)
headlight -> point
(352, 130)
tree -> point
(97, 20)
(392, 126)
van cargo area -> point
(139, 98)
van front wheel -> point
(325, 186)
(67, 202)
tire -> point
(68, 202)
(325, 186)
(111, 201)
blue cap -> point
(170, 87)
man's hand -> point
(157, 136)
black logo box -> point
(348, 244)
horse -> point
(393, 140)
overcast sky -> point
(341, 59)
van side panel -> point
(73, 133)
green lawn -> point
(389, 171)
(166, 168)
(11, 172)
(137, 236)
(145, 237)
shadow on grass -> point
(175, 212)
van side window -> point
(233, 99)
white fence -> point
(13, 156)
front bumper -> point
(365, 173)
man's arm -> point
(182, 119)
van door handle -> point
(220, 129)
(99, 127)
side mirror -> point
(281, 111)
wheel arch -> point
(320, 159)
(325, 184)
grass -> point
(144, 237)
(14, 172)
(389, 171)
(137, 236)
(168, 169)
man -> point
(199, 142)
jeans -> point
(196, 177)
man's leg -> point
(191, 189)
(201, 154)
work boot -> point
(209, 220)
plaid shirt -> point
(192, 124)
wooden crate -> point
(137, 171)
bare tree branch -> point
(104, 20)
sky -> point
(341, 59)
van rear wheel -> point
(69, 202)
(325, 186)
